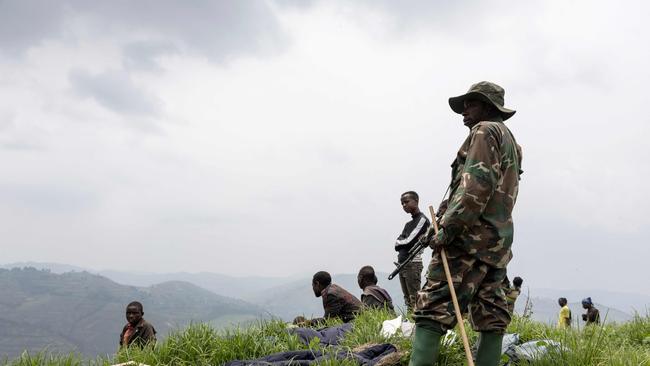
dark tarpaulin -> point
(329, 336)
(367, 357)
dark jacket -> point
(409, 237)
(338, 303)
(144, 334)
(376, 297)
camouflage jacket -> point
(484, 185)
(338, 303)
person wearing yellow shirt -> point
(564, 318)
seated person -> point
(137, 331)
(373, 296)
(337, 302)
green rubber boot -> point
(489, 349)
(426, 346)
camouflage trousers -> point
(478, 288)
(410, 278)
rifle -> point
(417, 248)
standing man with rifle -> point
(410, 275)
(476, 231)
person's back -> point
(373, 296)
(339, 303)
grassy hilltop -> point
(200, 344)
(84, 312)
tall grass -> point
(200, 344)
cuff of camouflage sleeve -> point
(441, 238)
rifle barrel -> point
(417, 248)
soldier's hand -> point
(428, 236)
(438, 240)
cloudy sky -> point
(275, 137)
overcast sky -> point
(275, 137)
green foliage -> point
(200, 344)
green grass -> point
(200, 344)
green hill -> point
(201, 344)
(83, 312)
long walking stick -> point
(454, 299)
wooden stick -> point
(454, 299)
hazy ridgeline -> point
(83, 312)
(200, 344)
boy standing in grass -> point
(137, 331)
(564, 318)
(410, 276)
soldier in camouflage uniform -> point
(476, 231)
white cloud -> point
(293, 161)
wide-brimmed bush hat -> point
(484, 91)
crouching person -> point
(137, 331)
(373, 296)
(337, 302)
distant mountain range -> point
(170, 300)
(84, 312)
(284, 297)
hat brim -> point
(457, 104)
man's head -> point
(562, 301)
(321, 280)
(482, 102)
(134, 312)
(517, 281)
(366, 277)
(475, 111)
(586, 303)
(410, 202)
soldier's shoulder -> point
(488, 126)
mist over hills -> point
(237, 287)
(84, 312)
